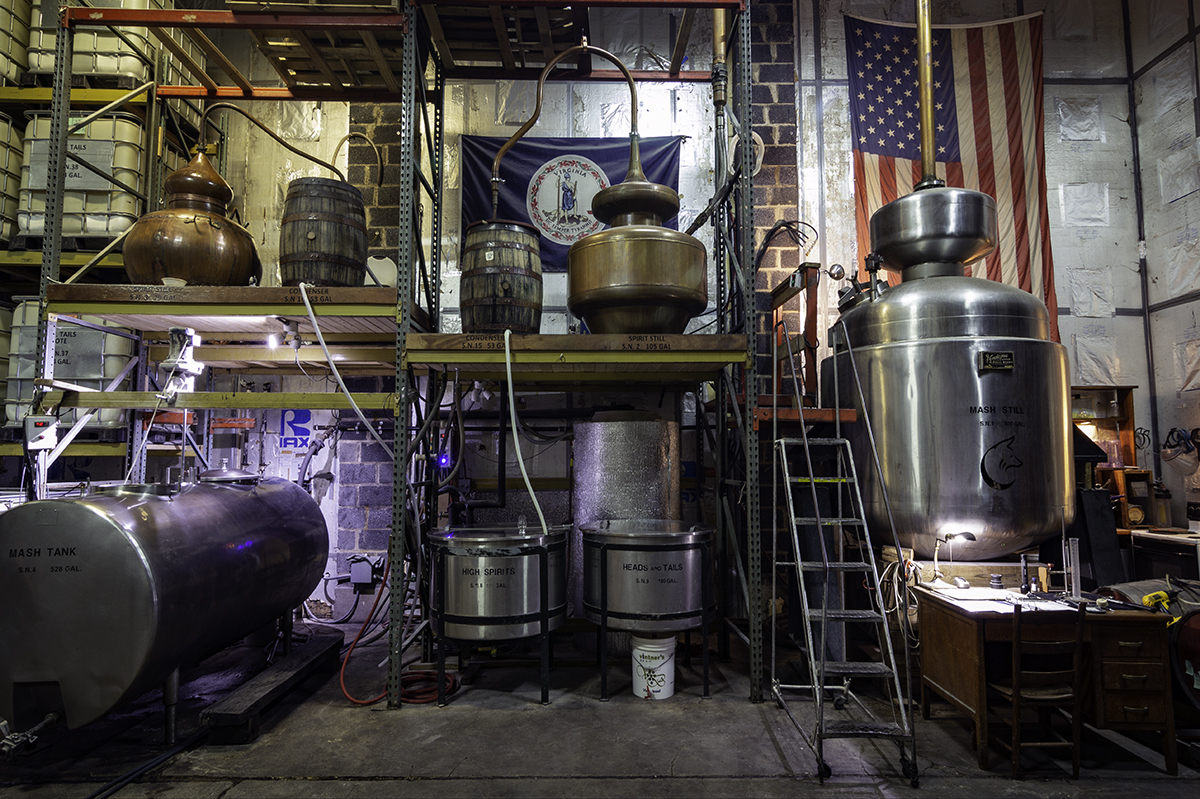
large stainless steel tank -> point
(106, 595)
(967, 396)
(486, 583)
(649, 575)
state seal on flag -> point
(559, 198)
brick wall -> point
(364, 478)
(776, 187)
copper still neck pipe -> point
(635, 156)
(925, 91)
(720, 34)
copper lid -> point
(198, 181)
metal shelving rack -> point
(368, 315)
(540, 362)
(411, 92)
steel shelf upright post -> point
(56, 179)
(405, 394)
(745, 246)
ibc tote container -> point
(86, 357)
(11, 157)
(178, 75)
(98, 51)
(14, 39)
(6, 317)
(91, 205)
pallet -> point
(69, 243)
(88, 435)
(45, 80)
(237, 718)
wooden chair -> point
(1047, 673)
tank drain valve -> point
(12, 742)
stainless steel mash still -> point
(967, 395)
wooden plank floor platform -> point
(236, 718)
(577, 360)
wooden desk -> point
(1128, 683)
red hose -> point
(416, 687)
(354, 643)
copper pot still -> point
(636, 276)
(191, 240)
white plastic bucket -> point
(653, 667)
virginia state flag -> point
(549, 183)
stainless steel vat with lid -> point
(491, 583)
(648, 575)
(967, 396)
(109, 593)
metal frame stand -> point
(543, 617)
(708, 605)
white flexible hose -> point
(512, 409)
(312, 317)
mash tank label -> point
(26, 554)
(997, 361)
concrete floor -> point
(495, 739)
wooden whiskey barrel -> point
(501, 287)
(323, 235)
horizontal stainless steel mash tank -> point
(107, 594)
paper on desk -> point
(973, 593)
(982, 605)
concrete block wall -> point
(364, 484)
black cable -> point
(130, 776)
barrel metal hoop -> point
(490, 301)
(505, 245)
(487, 271)
(324, 257)
(339, 219)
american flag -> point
(988, 116)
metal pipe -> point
(117, 103)
(925, 93)
(471, 505)
(635, 157)
(170, 701)
(271, 133)
(720, 76)
(1139, 206)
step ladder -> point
(820, 571)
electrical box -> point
(361, 576)
(41, 432)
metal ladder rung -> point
(823, 480)
(848, 521)
(836, 566)
(826, 463)
(863, 729)
(829, 614)
(857, 668)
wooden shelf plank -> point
(577, 358)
